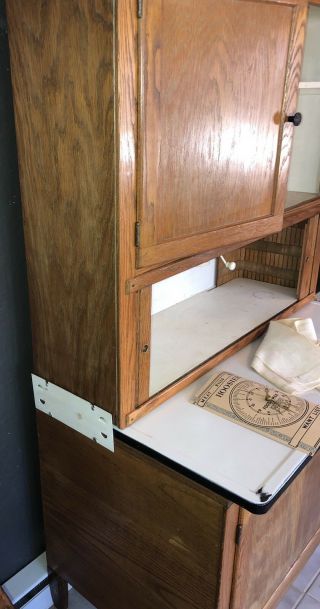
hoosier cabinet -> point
(155, 139)
(152, 136)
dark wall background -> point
(21, 534)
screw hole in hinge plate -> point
(80, 415)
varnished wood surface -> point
(194, 374)
(62, 72)
(228, 556)
(154, 275)
(301, 212)
(222, 239)
(126, 93)
(126, 531)
(211, 150)
(316, 263)
(144, 344)
(142, 278)
(5, 602)
(291, 92)
(296, 198)
(270, 544)
(309, 255)
(276, 259)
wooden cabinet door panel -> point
(214, 78)
(272, 543)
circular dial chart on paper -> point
(265, 407)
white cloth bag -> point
(289, 356)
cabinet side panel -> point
(125, 530)
(272, 543)
(63, 81)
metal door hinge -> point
(140, 9)
(239, 529)
(82, 416)
(137, 234)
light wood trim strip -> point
(228, 556)
(165, 252)
(293, 215)
(290, 101)
(307, 257)
(316, 263)
(301, 212)
(144, 344)
(186, 380)
(128, 305)
(158, 274)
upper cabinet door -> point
(218, 79)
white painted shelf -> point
(238, 460)
(193, 330)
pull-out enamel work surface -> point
(251, 468)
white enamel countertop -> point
(238, 460)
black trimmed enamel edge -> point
(219, 490)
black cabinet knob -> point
(295, 119)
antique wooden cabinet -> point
(152, 136)
(154, 141)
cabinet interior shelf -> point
(222, 316)
(296, 197)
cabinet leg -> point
(58, 589)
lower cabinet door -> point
(275, 546)
(129, 532)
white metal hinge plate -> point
(88, 419)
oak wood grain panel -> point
(126, 95)
(275, 259)
(308, 254)
(219, 239)
(154, 275)
(297, 38)
(228, 556)
(301, 212)
(145, 277)
(270, 544)
(316, 263)
(126, 531)
(211, 149)
(63, 82)
(194, 374)
(144, 344)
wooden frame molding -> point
(194, 374)
(143, 278)
(309, 252)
